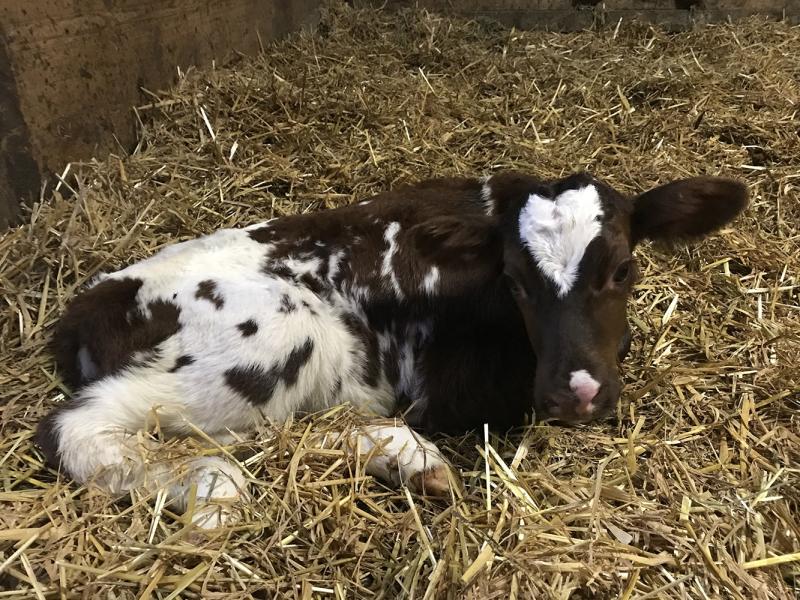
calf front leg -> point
(398, 455)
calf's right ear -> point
(686, 209)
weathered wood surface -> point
(70, 71)
(574, 15)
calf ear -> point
(689, 208)
(464, 242)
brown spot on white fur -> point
(207, 290)
(182, 361)
(248, 328)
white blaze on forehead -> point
(557, 232)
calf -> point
(457, 301)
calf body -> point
(456, 301)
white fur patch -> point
(431, 280)
(486, 196)
(558, 231)
(86, 364)
(334, 260)
(387, 269)
(258, 225)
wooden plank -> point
(574, 15)
(76, 68)
(19, 174)
(70, 70)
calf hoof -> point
(214, 516)
(397, 455)
(431, 482)
(219, 486)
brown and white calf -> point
(457, 301)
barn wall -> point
(15, 154)
(71, 70)
(574, 15)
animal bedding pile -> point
(691, 492)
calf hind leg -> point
(219, 485)
(93, 439)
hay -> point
(693, 493)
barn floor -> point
(693, 493)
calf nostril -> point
(584, 386)
(585, 408)
(585, 394)
(552, 403)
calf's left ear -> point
(685, 209)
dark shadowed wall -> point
(574, 15)
(70, 71)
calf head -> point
(566, 256)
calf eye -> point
(622, 272)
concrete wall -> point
(70, 71)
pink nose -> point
(585, 387)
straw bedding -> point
(692, 493)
